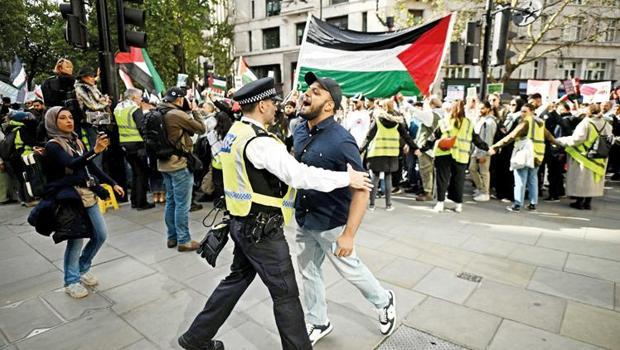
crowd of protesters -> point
(509, 148)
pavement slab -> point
(516, 336)
(596, 249)
(538, 256)
(71, 309)
(456, 323)
(492, 247)
(30, 287)
(117, 272)
(352, 330)
(575, 287)
(447, 257)
(443, 284)
(22, 267)
(501, 270)
(592, 325)
(142, 344)
(92, 332)
(593, 267)
(396, 247)
(20, 319)
(532, 308)
(375, 260)
(251, 336)
(393, 273)
(182, 266)
(141, 291)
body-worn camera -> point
(263, 225)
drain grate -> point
(469, 277)
(406, 338)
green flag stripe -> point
(157, 82)
(372, 84)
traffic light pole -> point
(485, 50)
(109, 83)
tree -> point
(219, 42)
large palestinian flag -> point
(137, 64)
(375, 64)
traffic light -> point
(126, 16)
(501, 35)
(76, 32)
(472, 42)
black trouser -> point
(504, 178)
(555, 166)
(139, 179)
(541, 172)
(450, 177)
(218, 183)
(269, 258)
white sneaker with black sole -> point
(316, 332)
(387, 315)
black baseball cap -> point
(328, 84)
(173, 93)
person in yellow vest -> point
(259, 177)
(586, 176)
(128, 116)
(24, 125)
(533, 128)
(450, 164)
(383, 147)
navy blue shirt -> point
(329, 146)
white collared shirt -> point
(269, 154)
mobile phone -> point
(102, 134)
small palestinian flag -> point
(375, 64)
(137, 64)
(244, 72)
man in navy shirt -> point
(328, 222)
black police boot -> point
(210, 345)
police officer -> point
(128, 116)
(258, 175)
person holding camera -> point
(72, 175)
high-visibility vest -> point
(20, 146)
(386, 142)
(462, 146)
(127, 128)
(579, 154)
(536, 133)
(216, 163)
(238, 190)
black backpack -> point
(7, 145)
(33, 174)
(155, 135)
(601, 146)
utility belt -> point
(257, 226)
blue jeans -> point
(178, 200)
(526, 178)
(78, 261)
(313, 247)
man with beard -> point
(257, 173)
(328, 222)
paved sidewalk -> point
(549, 281)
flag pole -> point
(300, 57)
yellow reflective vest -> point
(536, 133)
(238, 190)
(386, 142)
(127, 128)
(579, 154)
(462, 146)
(20, 146)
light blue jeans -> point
(78, 261)
(313, 246)
(178, 200)
(526, 178)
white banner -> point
(548, 89)
(596, 92)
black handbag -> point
(601, 146)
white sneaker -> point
(76, 290)
(482, 197)
(316, 332)
(89, 279)
(387, 315)
(389, 208)
(476, 192)
(458, 208)
(371, 208)
(438, 207)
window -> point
(416, 16)
(610, 28)
(596, 70)
(341, 22)
(568, 68)
(253, 8)
(271, 38)
(458, 72)
(530, 70)
(572, 31)
(250, 41)
(336, 2)
(273, 7)
(299, 32)
(364, 21)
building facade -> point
(268, 34)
